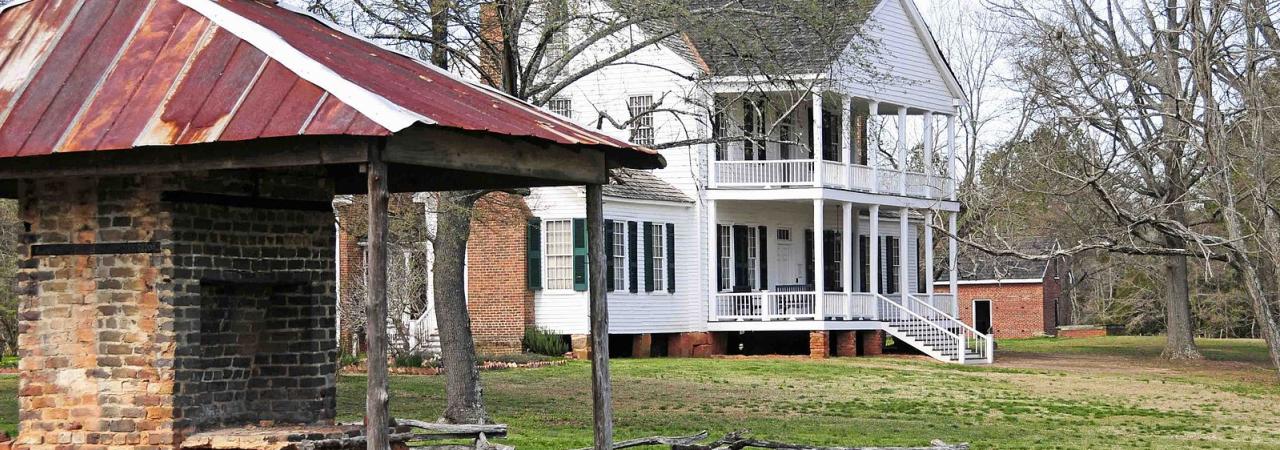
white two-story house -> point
(801, 223)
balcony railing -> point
(800, 172)
(768, 306)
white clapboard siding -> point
(566, 311)
(904, 54)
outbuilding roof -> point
(976, 265)
(642, 185)
(86, 75)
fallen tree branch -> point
(738, 440)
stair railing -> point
(926, 331)
(970, 338)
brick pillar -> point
(870, 343)
(846, 343)
(818, 348)
(697, 344)
(580, 346)
(641, 346)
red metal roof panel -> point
(92, 75)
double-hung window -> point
(659, 255)
(641, 119)
(561, 106)
(619, 255)
(559, 245)
(753, 252)
(726, 257)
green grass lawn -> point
(1042, 394)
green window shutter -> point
(671, 258)
(608, 255)
(580, 255)
(632, 253)
(533, 253)
(648, 256)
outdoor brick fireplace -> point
(157, 306)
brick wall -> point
(111, 330)
(1017, 310)
(498, 298)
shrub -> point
(348, 360)
(540, 341)
(412, 360)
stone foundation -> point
(580, 346)
(156, 306)
(696, 344)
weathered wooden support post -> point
(376, 414)
(601, 389)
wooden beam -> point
(376, 411)
(601, 390)
(348, 180)
(292, 151)
(430, 146)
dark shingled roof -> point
(777, 36)
(975, 265)
(762, 36)
(642, 185)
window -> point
(559, 254)
(718, 129)
(726, 257)
(786, 134)
(753, 253)
(561, 106)
(891, 265)
(659, 255)
(641, 119)
(784, 235)
(620, 255)
(753, 129)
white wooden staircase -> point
(936, 333)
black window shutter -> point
(608, 255)
(648, 256)
(671, 258)
(890, 258)
(533, 253)
(721, 230)
(580, 254)
(763, 253)
(631, 250)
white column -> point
(817, 137)
(928, 255)
(873, 147)
(846, 255)
(951, 154)
(846, 149)
(713, 243)
(904, 268)
(902, 150)
(953, 271)
(873, 249)
(927, 152)
(818, 261)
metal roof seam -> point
(377, 108)
(216, 133)
(62, 31)
(93, 94)
(144, 137)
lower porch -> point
(783, 305)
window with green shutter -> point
(648, 256)
(580, 255)
(533, 253)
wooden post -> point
(376, 414)
(601, 390)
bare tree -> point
(10, 226)
(535, 49)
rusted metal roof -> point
(85, 75)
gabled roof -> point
(976, 265)
(106, 75)
(781, 33)
(642, 185)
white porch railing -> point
(800, 172)
(970, 340)
(834, 175)
(765, 306)
(945, 303)
(781, 172)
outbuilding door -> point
(982, 316)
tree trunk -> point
(1180, 333)
(458, 351)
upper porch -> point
(827, 139)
